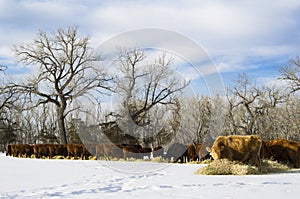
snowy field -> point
(36, 178)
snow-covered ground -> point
(35, 178)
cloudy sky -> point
(250, 36)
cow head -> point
(215, 152)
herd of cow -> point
(178, 152)
(252, 149)
(248, 149)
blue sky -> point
(250, 36)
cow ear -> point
(222, 148)
(208, 149)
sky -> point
(250, 36)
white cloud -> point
(232, 32)
(273, 83)
(272, 50)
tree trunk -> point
(61, 124)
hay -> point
(227, 167)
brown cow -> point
(131, 151)
(8, 150)
(241, 148)
(85, 153)
(112, 150)
(282, 150)
(182, 153)
(28, 150)
(15, 150)
(21, 150)
(144, 152)
(198, 148)
(190, 153)
(74, 150)
(41, 150)
(99, 151)
(57, 150)
(108, 151)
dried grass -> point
(227, 167)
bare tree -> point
(253, 109)
(8, 106)
(196, 115)
(291, 73)
(287, 119)
(9, 97)
(243, 109)
(146, 88)
(66, 71)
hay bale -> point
(227, 167)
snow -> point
(40, 178)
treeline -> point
(269, 112)
(65, 100)
(247, 109)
